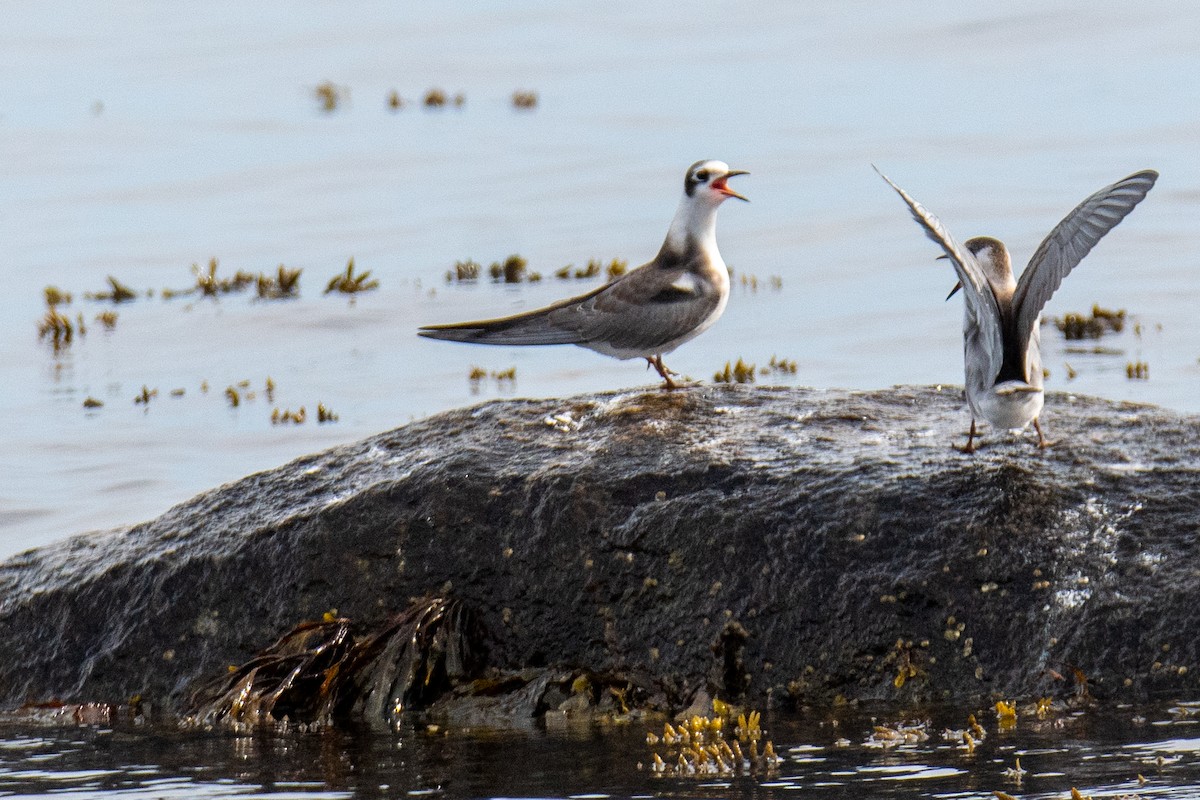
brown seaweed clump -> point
(57, 327)
(209, 285)
(704, 746)
(511, 270)
(1101, 321)
(466, 271)
(330, 96)
(285, 284)
(524, 99)
(739, 372)
(322, 671)
(117, 292)
(349, 283)
(1137, 371)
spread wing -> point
(642, 310)
(1070, 241)
(981, 303)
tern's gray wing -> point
(981, 302)
(1070, 241)
(646, 308)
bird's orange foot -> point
(662, 370)
(1043, 442)
(970, 446)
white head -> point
(705, 182)
(704, 189)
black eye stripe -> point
(702, 175)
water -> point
(140, 140)
(1102, 753)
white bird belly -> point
(1011, 405)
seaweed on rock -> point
(319, 671)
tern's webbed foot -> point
(662, 370)
(1043, 442)
(970, 446)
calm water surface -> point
(141, 139)
(1102, 753)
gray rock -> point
(742, 541)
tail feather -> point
(523, 329)
(1015, 387)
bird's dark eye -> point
(702, 175)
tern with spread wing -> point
(1001, 344)
(647, 312)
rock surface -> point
(743, 541)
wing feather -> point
(638, 313)
(1071, 240)
(541, 326)
(987, 336)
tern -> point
(1001, 319)
(647, 312)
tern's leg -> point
(1043, 442)
(666, 374)
(969, 447)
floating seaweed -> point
(1137, 371)
(704, 746)
(592, 269)
(893, 735)
(349, 283)
(505, 379)
(750, 282)
(287, 415)
(394, 101)
(329, 95)
(209, 285)
(1006, 714)
(511, 270)
(320, 671)
(740, 372)
(464, 272)
(324, 414)
(145, 396)
(56, 296)
(1100, 322)
(616, 268)
(57, 327)
(779, 366)
(117, 292)
(91, 402)
(434, 98)
(524, 99)
(286, 283)
(108, 319)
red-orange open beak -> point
(720, 186)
